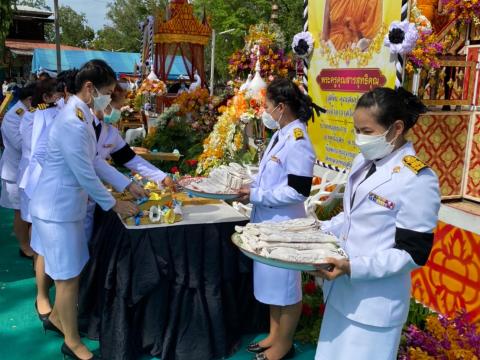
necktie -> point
(275, 141)
(98, 129)
(372, 170)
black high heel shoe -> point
(22, 254)
(42, 317)
(66, 351)
(289, 355)
(48, 325)
(255, 348)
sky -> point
(95, 10)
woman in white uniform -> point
(59, 203)
(277, 194)
(43, 97)
(9, 163)
(111, 146)
(43, 121)
(391, 206)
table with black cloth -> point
(178, 292)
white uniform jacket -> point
(68, 177)
(26, 128)
(43, 120)
(111, 145)
(285, 175)
(12, 140)
(387, 231)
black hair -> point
(66, 80)
(27, 91)
(44, 87)
(391, 105)
(97, 71)
(283, 90)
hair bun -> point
(415, 107)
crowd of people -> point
(59, 136)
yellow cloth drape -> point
(352, 20)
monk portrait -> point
(351, 23)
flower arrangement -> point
(465, 11)
(268, 40)
(425, 53)
(199, 109)
(312, 311)
(127, 111)
(191, 102)
(152, 87)
(442, 338)
(227, 140)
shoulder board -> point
(414, 163)
(44, 106)
(298, 134)
(80, 114)
(32, 109)
(19, 111)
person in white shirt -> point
(391, 205)
(5, 87)
(9, 163)
(59, 203)
(111, 146)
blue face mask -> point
(113, 117)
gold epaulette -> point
(414, 163)
(80, 114)
(298, 134)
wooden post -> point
(57, 37)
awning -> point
(121, 62)
(22, 52)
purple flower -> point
(402, 37)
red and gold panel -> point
(451, 279)
(441, 140)
(472, 189)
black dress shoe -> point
(42, 317)
(289, 355)
(48, 325)
(255, 348)
(66, 351)
(23, 255)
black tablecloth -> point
(180, 292)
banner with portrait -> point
(348, 60)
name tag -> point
(381, 201)
(107, 145)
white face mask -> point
(269, 121)
(374, 147)
(100, 102)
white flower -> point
(402, 37)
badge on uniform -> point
(274, 158)
(298, 133)
(414, 163)
(19, 111)
(80, 114)
(381, 201)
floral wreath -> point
(362, 57)
(302, 44)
